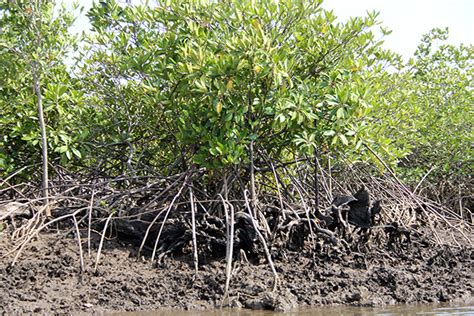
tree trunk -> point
(253, 194)
(44, 140)
(316, 184)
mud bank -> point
(46, 279)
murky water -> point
(431, 310)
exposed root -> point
(264, 243)
(153, 213)
(229, 248)
(102, 241)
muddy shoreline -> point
(46, 279)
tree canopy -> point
(178, 84)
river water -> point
(431, 310)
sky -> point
(408, 19)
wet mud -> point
(47, 278)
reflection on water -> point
(431, 310)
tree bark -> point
(44, 140)
(35, 69)
(253, 194)
(316, 181)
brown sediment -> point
(47, 278)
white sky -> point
(408, 19)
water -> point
(432, 310)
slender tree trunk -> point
(253, 194)
(317, 212)
(316, 181)
(44, 140)
(35, 69)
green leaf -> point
(344, 139)
(77, 153)
(340, 113)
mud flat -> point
(47, 278)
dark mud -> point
(46, 279)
